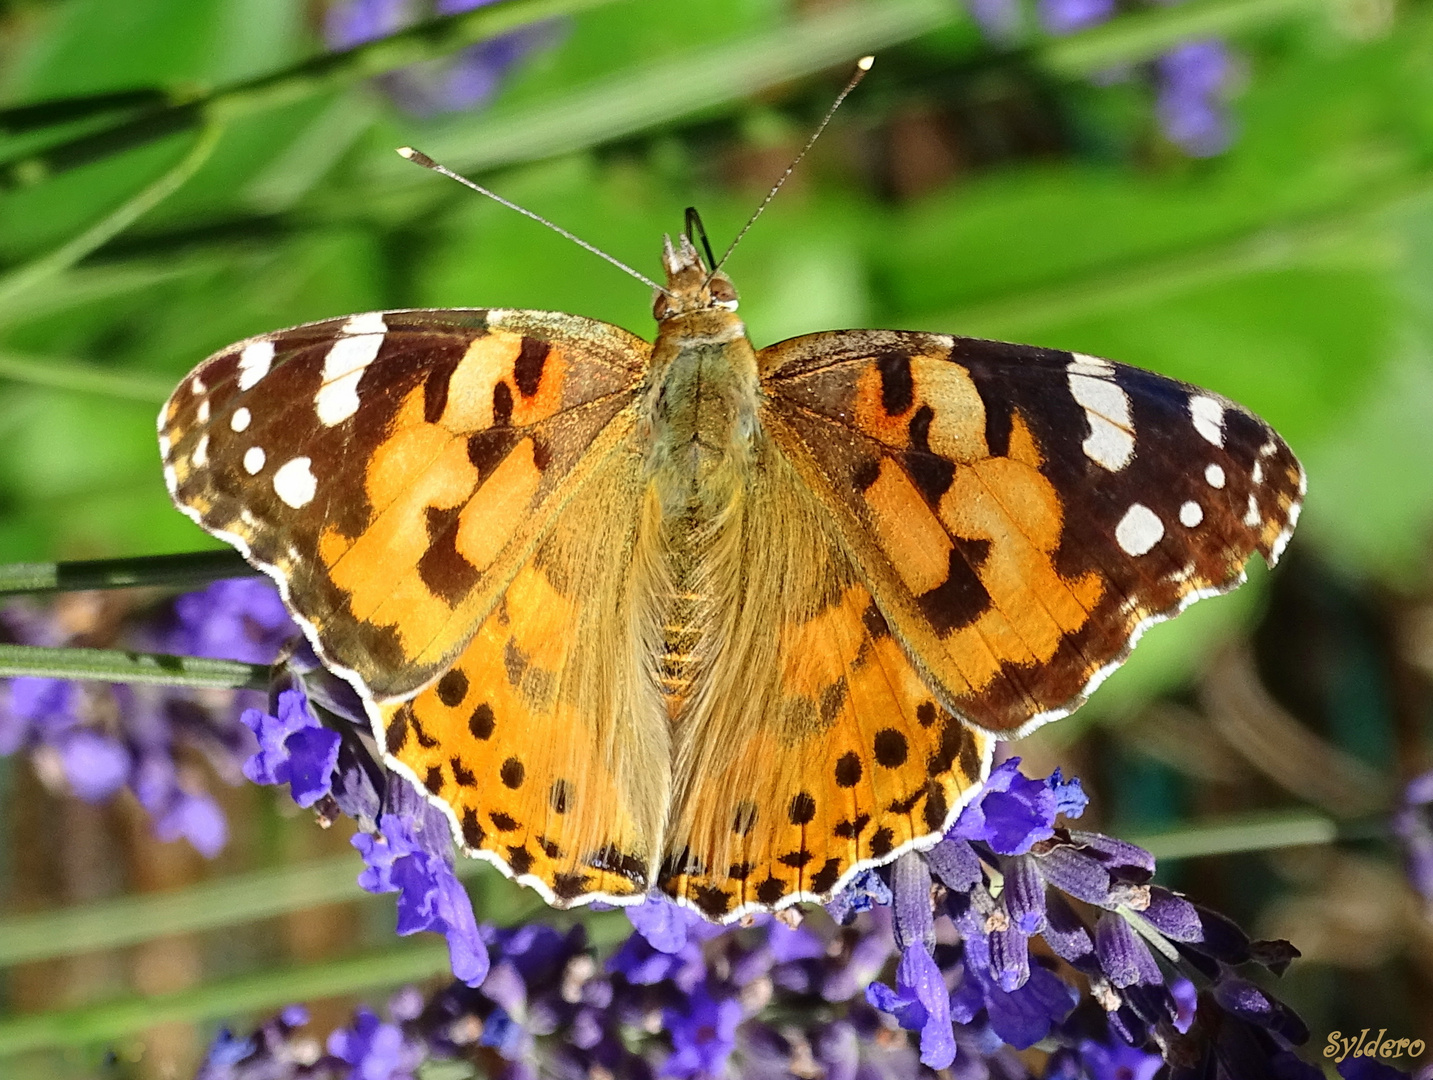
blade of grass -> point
(82, 378)
(187, 569)
(261, 992)
(1144, 35)
(121, 666)
(20, 118)
(1347, 234)
(317, 75)
(633, 100)
(24, 278)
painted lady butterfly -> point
(726, 622)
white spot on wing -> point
(1080, 364)
(337, 398)
(197, 387)
(1110, 443)
(240, 420)
(254, 363)
(1214, 474)
(164, 445)
(1139, 530)
(1251, 515)
(1258, 472)
(294, 482)
(1191, 514)
(254, 459)
(370, 322)
(204, 411)
(201, 452)
(1208, 416)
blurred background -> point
(1238, 193)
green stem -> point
(319, 74)
(20, 118)
(185, 570)
(121, 666)
(1256, 832)
(262, 992)
(24, 278)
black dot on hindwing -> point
(473, 832)
(512, 773)
(890, 748)
(481, 723)
(520, 859)
(926, 713)
(433, 779)
(461, 773)
(848, 770)
(802, 808)
(453, 688)
(770, 891)
(882, 840)
(559, 796)
(503, 822)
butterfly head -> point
(690, 285)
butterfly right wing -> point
(392, 470)
(1022, 514)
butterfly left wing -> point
(1021, 514)
(392, 469)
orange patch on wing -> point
(496, 509)
(1023, 447)
(489, 361)
(1033, 607)
(418, 467)
(908, 530)
(957, 428)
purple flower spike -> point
(374, 1050)
(663, 923)
(1012, 813)
(237, 619)
(910, 889)
(95, 765)
(1117, 1060)
(1413, 825)
(1024, 896)
(1125, 958)
(294, 748)
(1067, 16)
(703, 1035)
(430, 897)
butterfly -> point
(725, 623)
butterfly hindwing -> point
(547, 739)
(812, 747)
(392, 469)
(1021, 513)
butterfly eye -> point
(722, 292)
(661, 306)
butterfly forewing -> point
(391, 470)
(1020, 513)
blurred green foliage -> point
(1293, 273)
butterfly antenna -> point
(863, 65)
(420, 158)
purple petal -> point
(910, 888)
(1123, 956)
(196, 818)
(1067, 16)
(918, 976)
(1024, 895)
(1117, 1060)
(663, 923)
(95, 765)
(313, 756)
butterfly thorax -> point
(700, 419)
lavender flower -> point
(1192, 79)
(1413, 825)
(466, 81)
(97, 740)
